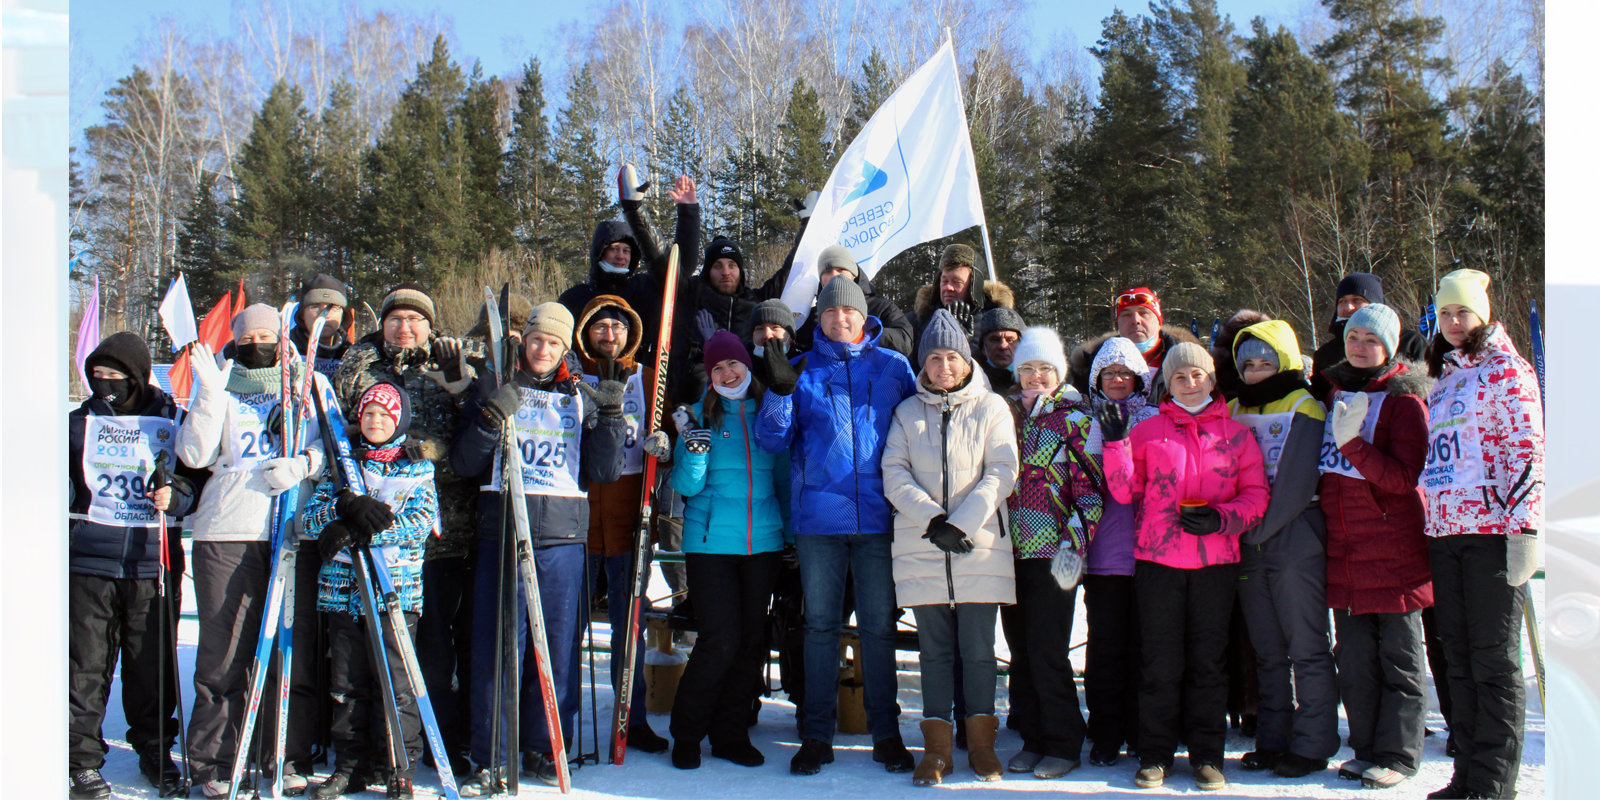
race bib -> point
(119, 454)
(1455, 453)
(254, 440)
(1272, 431)
(633, 412)
(1334, 461)
(394, 491)
(549, 427)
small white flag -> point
(909, 177)
(177, 315)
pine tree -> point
(269, 230)
(680, 150)
(865, 97)
(202, 242)
(746, 192)
(336, 180)
(804, 159)
(580, 199)
(490, 215)
(529, 169)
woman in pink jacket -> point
(1200, 482)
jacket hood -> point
(1280, 336)
(1228, 334)
(995, 295)
(1482, 343)
(606, 234)
(1117, 350)
(1082, 356)
(581, 339)
(976, 387)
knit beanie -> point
(723, 247)
(394, 400)
(124, 352)
(1000, 319)
(1361, 284)
(1465, 287)
(1040, 344)
(408, 295)
(320, 288)
(835, 255)
(1186, 354)
(723, 346)
(842, 293)
(1139, 296)
(1255, 348)
(1381, 320)
(943, 332)
(551, 318)
(772, 312)
(257, 317)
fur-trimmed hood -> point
(1403, 377)
(580, 341)
(1082, 357)
(995, 295)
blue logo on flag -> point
(872, 179)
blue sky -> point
(504, 35)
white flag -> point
(909, 177)
(177, 315)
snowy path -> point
(854, 775)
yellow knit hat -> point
(1465, 287)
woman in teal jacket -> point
(734, 532)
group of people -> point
(953, 461)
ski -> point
(347, 474)
(283, 553)
(511, 485)
(622, 704)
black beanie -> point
(124, 352)
(1364, 284)
(723, 247)
(323, 288)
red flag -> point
(216, 331)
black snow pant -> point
(230, 591)
(1438, 667)
(1381, 681)
(1283, 587)
(360, 722)
(1480, 624)
(731, 594)
(1183, 629)
(444, 646)
(108, 619)
(1043, 697)
(1111, 667)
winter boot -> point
(339, 784)
(88, 785)
(1258, 760)
(893, 755)
(483, 782)
(155, 763)
(1209, 778)
(685, 754)
(211, 790)
(399, 788)
(1353, 769)
(936, 759)
(1051, 767)
(1380, 777)
(1024, 761)
(642, 737)
(813, 754)
(539, 765)
(742, 753)
(1152, 773)
(1099, 756)
(981, 732)
(1293, 765)
(1451, 791)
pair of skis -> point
(383, 611)
(277, 619)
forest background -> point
(1225, 163)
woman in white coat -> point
(949, 464)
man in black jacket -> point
(716, 298)
(116, 438)
(1355, 291)
(619, 245)
(961, 289)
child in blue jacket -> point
(734, 532)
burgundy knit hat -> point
(722, 346)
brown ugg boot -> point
(981, 732)
(935, 763)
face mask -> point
(606, 266)
(1144, 347)
(759, 350)
(736, 392)
(257, 355)
(1193, 409)
(117, 392)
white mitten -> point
(281, 473)
(1347, 418)
(1522, 556)
(1067, 567)
(212, 378)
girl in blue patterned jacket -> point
(395, 517)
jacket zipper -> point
(750, 487)
(944, 484)
(855, 471)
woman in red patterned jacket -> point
(1485, 492)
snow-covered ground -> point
(854, 774)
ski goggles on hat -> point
(1139, 297)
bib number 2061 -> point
(1446, 447)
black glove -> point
(782, 376)
(447, 354)
(705, 325)
(364, 515)
(607, 396)
(1199, 520)
(1113, 419)
(337, 536)
(947, 537)
(500, 406)
(158, 478)
(963, 311)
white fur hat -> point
(1041, 344)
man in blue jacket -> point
(115, 439)
(831, 409)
